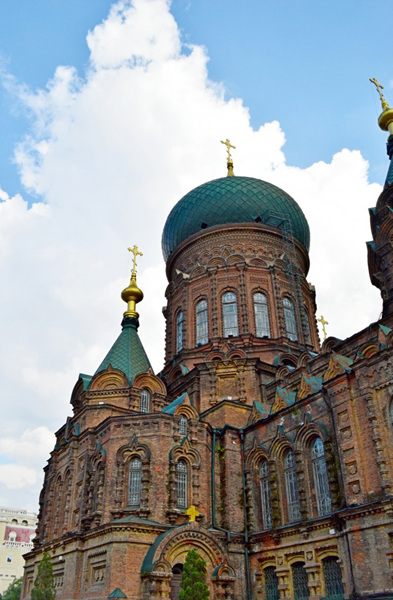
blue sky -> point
(303, 63)
(112, 111)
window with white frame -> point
(145, 401)
(134, 486)
(179, 331)
(321, 482)
(183, 425)
(261, 312)
(229, 315)
(182, 484)
(202, 323)
(264, 486)
(290, 319)
(291, 486)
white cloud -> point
(110, 154)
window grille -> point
(202, 324)
(134, 488)
(182, 483)
(179, 331)
(183, 425)
(333, 578)
(261, 312)
(290, 319)
(264, 485)
(300, 582)
(145, 401)
(271, 584)
(322, 493)
(229, 315)
(291, 487)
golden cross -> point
(135, 252)
(228, 144)
(323, 323)
(192, 512)
(379, 87)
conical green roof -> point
(127, 353)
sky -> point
(109, 113)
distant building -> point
(17, 530)
(269, 454)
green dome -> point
(233, 200)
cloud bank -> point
(107, 154)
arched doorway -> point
(177, 571)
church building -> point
(268, 453)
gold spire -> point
(385, 119)
(228, 144)
(132, 294)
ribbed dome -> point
(233, 200)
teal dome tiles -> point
(233, 200)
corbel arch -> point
(109, 379)
(149, 381)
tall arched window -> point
(145, 401)
(333, 578)
(264, 485)
(261, 312)
(290, 319)
(183, 425)
(202, 323)
(307, 332)
(229, 315)
(391, 413)
(179, 331)
(271, 584)
(134, 484)
(182, 484)
(291, 486)
(301, 590)
(322, 493)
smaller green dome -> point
(233, 200)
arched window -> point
(322, 493)
(333, 578)
(145, 401)
(262, 327)
(264, 486)
(202, 323)
(291, 486)
(182, 484)
(183, 425)
(229, 315)
(134, 487)
(179, 331)
(307, 332)
(290, 319)
(300, 582)
(271, 584)
(12, 536)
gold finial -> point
(228, 144)
(132, 294)
(323, 323)
(385, 119)
(192, 513)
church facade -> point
(270, 455)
